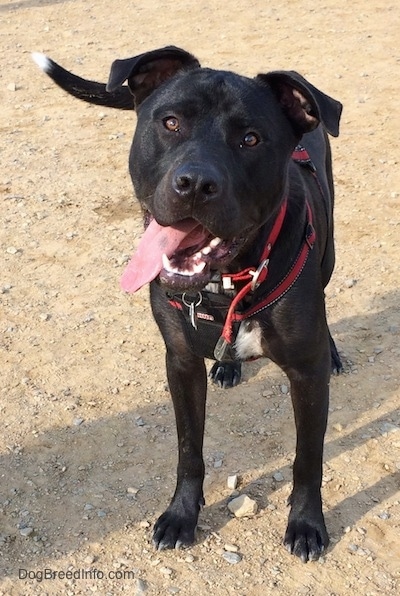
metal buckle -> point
(256, 274)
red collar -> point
(255, 277)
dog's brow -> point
(184, 109)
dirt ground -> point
(88, 445)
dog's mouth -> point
(181, 255)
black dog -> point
(238, 248)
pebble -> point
(101, 513)
(12, 87)
(388, 427)
(78, 421)
(243, 506)
(231, 548)
(12, 250)
(88, 507)
(144, 524)
(90, 559)
(141, 586)
(278, 476)
(26, 532)
(139, 421)
(349, 283)
(338, 427)
(189, 559)
(232, 481)
(132, 490)
(284, 389)
(165, 570)
(384, 515)
(232, 558)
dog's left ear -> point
(305, 105)
(147, 71)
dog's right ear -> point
(146, 72)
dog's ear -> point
(147, 71)
(305, 105)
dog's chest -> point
(248, 343)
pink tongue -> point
(146, 263)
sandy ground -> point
(88, 446)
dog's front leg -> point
(188, 384)
(306, 534)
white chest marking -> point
(248, 341)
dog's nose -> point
(192, 181)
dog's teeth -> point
(206, 250)
(199, 267)
(214, 242)
(166, 263)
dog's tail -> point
(89, 91)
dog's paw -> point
(226, 374)
(174, 531)
(306, 539)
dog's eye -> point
(251, 139)
(171, 123)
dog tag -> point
(223, 350)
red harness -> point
(254, 277)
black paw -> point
(307, 539)
(176, 527)
(226, 374)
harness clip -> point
(256, 274)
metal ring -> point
(188, 304)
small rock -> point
(189, 559)
(284, 389)
(353, 548)
(231, 548)
(232, 558)
(78, 421)
(101, 513)
(139, 421)
(166, 570)
(90, 559)
(218, 463)
(349, 283)
(144, 524)
(132, 490)
(88, 507)
(388, 427)
(12, 87)
(232, 481)
(243, 506)
(141, 586)
(26, 532)
(384, 515)
(278, 476)
(12, 250)
(338, 427)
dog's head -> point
(209, 158)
